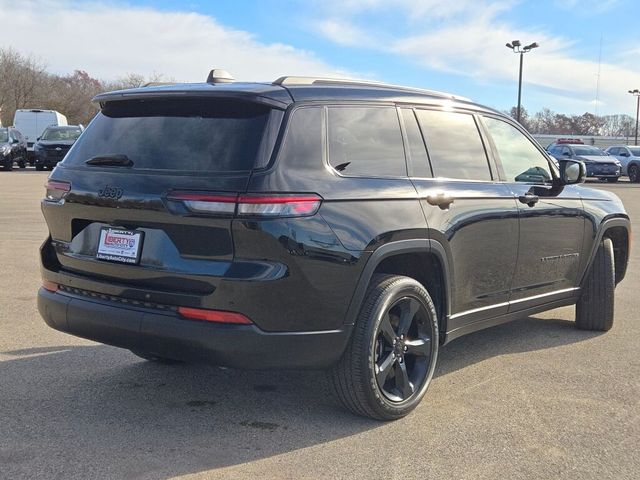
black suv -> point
(54, 144)
(318, 223)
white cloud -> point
(111, 40)
(471, 43)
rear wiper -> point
(110, 161)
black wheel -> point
(388, 364)
(612, 179)
(594, 310)
(154, 358)
(8, 165)
(40, 168)
(634, 174)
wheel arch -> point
(424, 260)
(618, 229)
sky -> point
(588, 59)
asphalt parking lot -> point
(535, 398)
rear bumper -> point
(165, 334)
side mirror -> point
(38, 139)
(572, 172)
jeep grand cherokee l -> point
(318, 223)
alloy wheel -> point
(403, 349)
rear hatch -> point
(118, 225)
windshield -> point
(4, 135)
(635, 152)
(208, 135)
(593, 151)
(61, 134)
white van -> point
(32, 122)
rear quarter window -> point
(195, 135)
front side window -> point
(454, 145)
(366, 141)
(520, 159)
(614, 150)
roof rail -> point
(293, 80)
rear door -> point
(471, 214)
(552, 219)
(143, 155)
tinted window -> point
(521, 160)
(454, 145)
(303, 143)
(203, 135)
(366, 141)
(417, 149)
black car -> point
(54, 144)
(13, 148)
(314, 223)
(599, 164)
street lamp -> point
(636, 93)
(517, 47)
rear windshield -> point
(195, 135)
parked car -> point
(599, 163)
(54, 144)
(629, 157)
(314, 223)
(32, 123)
(13, 148)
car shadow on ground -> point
(98, 412)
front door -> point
(552, 219)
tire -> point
(634, 174)
(8, 166)
(40, 168)
(594, 310)
(380, 378)
(154, 358)
(613, 179)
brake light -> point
(251, 205)
(217, 316)
(56, 190)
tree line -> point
(25, 83)
(549, 122)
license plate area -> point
(119, 245)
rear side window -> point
(366, 141)
(194, 135)
(520, 159)
(454, 145)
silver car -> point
(629, 157)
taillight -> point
(56, 190)
(250, 205)
(216, 316)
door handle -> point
(441, 200)
(529, 199)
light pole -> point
(636, 93)
(517, 47)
